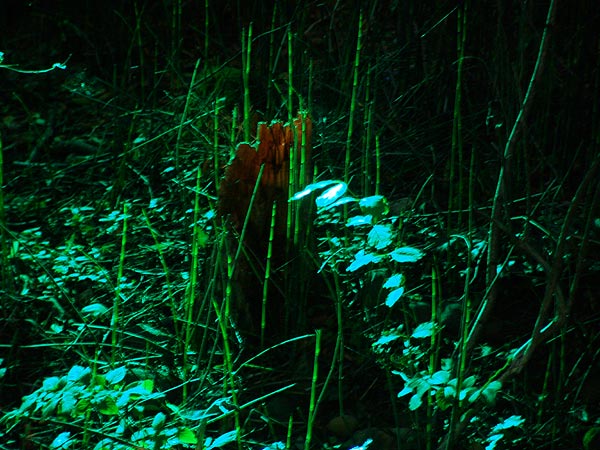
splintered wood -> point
(277, 147)
(275, 144)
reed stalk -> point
(246, 65)
(117, 300)
(188, 99)
(263, 312)
(190, 294)
(312, 407)
(355, 70)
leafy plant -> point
(369, 242)
(110, 411)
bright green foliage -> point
(103, 401)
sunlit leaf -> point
(439, 377)
(375, 205)
(406, 254)
(339, 202)
(510, 422)
(380, 236)
(187, 436)
(394, 296)
(471, 393)
(394, 281)
(67, 404)
(312, 188)
(116, 375)
(415, 402)
(94, 310)
(361, 259)
(51, 384)
(106, 444)
(62, 441)
(331, 194)
(469, 381)
(358, 221)
(225, 438)
(388, 337)
(475, 394)
(491, 390)
(159, 420)
(78, 373)
(424, 330)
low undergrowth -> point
(412, 300)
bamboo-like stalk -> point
(216, 157)
(234, 125)
(263, 313)
(312, 407)
(290, 228)
(455, 199)
(353, 100)
(368, 122)
(185, 112)
(434, 350)
(190, 294)
(271, 61)
(165, 269)
(494, 231)
(206, 30)
(246, 53)
(117, 300)
(377, 164)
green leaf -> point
(312, 188)
(159, 420)
(406, 254)
(395, 281)
(187, 436)
(67, 404)
(491, 390)
(509, 422)
(358, 221)
(380, 236)
(393, 297)
(439, 378)
(108, 406)
(52, 384)
(339, 202)
(331, 194)
(116, 375)
(389, 336)
(78, 373)
(62, 441)
(222, 440)
(424, 330)
(82, 407)
(94, 310)
(415, 402)
(375, 205)
(106, 444)
(361, 259)
(469, 381)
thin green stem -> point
(312, 407)
(117, 300)
(353, 100)
(246, 53)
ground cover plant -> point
(299, 225)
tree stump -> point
(278, 146)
